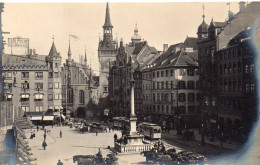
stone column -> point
(133, 118)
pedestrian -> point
(42, 126)
(96, 132)
(44, 144)
(37, 127)
(60, 134)
(44, 136)
(115, 137)
(109, 128)
(59, 163)
(51, 124)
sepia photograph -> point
(122, 83)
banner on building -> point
(18, 42)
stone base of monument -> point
(134, 144)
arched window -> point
(81, 97)
(70, 95)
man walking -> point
(44, 136)
(96, 132)
(60, 134)
(44, 144)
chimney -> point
(165, 47)
(242, 6)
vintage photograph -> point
(121, 83)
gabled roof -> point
(191, 42)
(139, 46)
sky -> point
(158, 23)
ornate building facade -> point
(33, 82)
(78, 87)
(107, 50)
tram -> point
(149, 130)
(120, 122)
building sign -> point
(18, 42)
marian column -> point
(133, 118)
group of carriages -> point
(159, 155)
(92, 128)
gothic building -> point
(107, 50)
(78, 87)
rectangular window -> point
(39, 86)
(8, 75)
(191, 85)
(181, 84)
(153, 96)
(171, 72)
(25, 108)
(190, 72)
(166, 73)
(246, 69)
(182, 97)
(171, 84)
(162, 73)
(153, 74)
(38, 108)
(25, 75)
(166, 84)
(182, 72)
(158, 97)
(158, 74)
(50, 86)
(191, 97)
(50, 97)
(56, 65)
(56, 96)
(38, 75)
(25, 86)
(162, 84)
(251, 68)
(50, 75)
(158, 85)
(56, 85)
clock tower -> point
(107, 50)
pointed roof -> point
(69, 52)
(85, 55)
(53, 51)
(107, 19)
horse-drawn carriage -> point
(97, 127)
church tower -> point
(107, 50)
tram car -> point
(120, 122)
(150, 131)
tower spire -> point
(85, 60)
(203, 8)
(69, 52)
(107, 19)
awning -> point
(63, 116)
(48, 118)
(57, 107)
(61, 107)
(9, 96)
(25, 96)
(50, 107)
(36, 118)
(38, 96)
